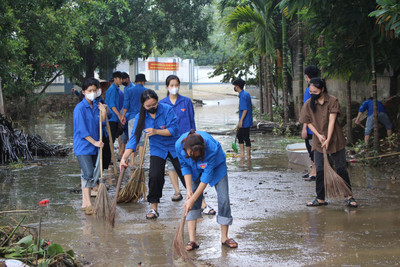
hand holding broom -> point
(102, 203)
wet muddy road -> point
(271, 222)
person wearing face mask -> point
(86, 138)
(184, 112)
(159, 122)
(320, 113)
(245, 117)
(203, 162)
(132, 106)
(309, 73)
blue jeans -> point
(224, 216)
(382, 118)
(88, 164)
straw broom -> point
(335, 186)
(111, 218)
(178, 245)
(102, 203)
(135, 188)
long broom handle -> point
(101, 149)
(114, 204)
(114, 160)
(146, 137)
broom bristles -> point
(178, 245)
(102, 203)
(335, 186)
(134, 189)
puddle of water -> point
(271, 223)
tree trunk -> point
(348, 113)
(300, 64)
(375, 96)
(260, 86)
(1, 100)
(266, 95)
(90, 63)
(269, 89)
(284, 72)
(58, 74)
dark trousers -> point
(243, 135)
(114, 130)
(106, 153)
(339, 163)
(157, 174)
(308, 142)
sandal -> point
(230, 243)
(310, 178)
(306, 175)
(191, 245)
(209, 211)
(349, 201)
(316, 203)
(177, 197)
(152, 214)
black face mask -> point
(152, 110)
(125, 84)
(312, 101)
(315, 96)
(234, 89)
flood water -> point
(271, 222)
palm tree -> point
(255, 20)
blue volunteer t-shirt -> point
(112, 100)
(212, 167)
(86, 123)
(184, 112)
(132, 100)
(245, 104)
(159, 145)
(369, 105)
(307, 96)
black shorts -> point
(243, 135)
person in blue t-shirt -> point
(159, 123)
(87, 138)
(112, 101)
(132, 107)
(382, 117)
(204, 162)
(245, 117)
(309, 73)
(184, 112)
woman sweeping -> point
(320, 114)
(86, 138)
(159, 122)
(203, 162)
(184, 112)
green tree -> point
(388, 16)
(36, 42)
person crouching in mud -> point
(320, 114)
(204, 162)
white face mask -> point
(98, 93)
(173, 91)
(91, 96)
